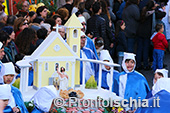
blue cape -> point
(8, 109)
(18, 99)
(104, 78)
(90, 55)
(164, 104)
(91, 45)
(136, 85)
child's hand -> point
(15, 109)
(2, 106)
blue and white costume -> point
(130, 84)
(165, 75)
(43, 99)
(91, 68)
(5, 94)
(89, 43)
(16, 99)
(161, 89)
(106, 74)
(1, 66)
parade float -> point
(54, 53)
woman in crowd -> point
(19, 25)
(57, 19)
(42, 12)
(32, 15)
(26, 41)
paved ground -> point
(149, 74)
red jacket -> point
(159, 41)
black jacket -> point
(109, 32)
(131, 16)
(121, 42)
(96, 24)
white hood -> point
(161, 84)
(9, 69)
(44, 97)
(163, 71)
(104, 55)
(128, 56)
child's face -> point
(8, 79)
(162, 29)
(107, 67)
(156, 77)
(4, 103)
(130, 65)
(123, 26)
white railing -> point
(112, 65)
(25, 65)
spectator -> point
(32, 15)
(116, 5)
(41, 34)
(57, 19)
(25, 41)
(76, 5)
(121, 41)
(10, 49)
(38, 20)
(51, 22)
(144, 33)
(96, 24)
(109, 38)
(3, 17)
(62, 32)
(159, 43)
(68, 6)
(120, 11)
(64, 13)
(131, 16)
(25, 6)
(10, 20)
(19, 25)
(42, 12)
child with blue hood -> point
(159, 73)
(130, 83)
(5, 98)
(161, 92)
(17, 103)
(106, 70)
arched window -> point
(75, 33)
